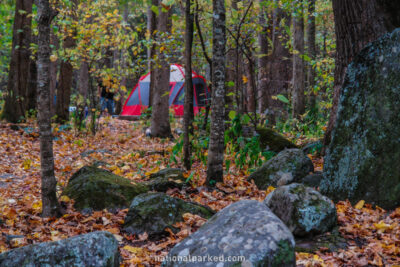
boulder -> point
(313, 179)
(97, 189)
(362, 158)
(304, 210)
(94, 249)
(166, 179)
(153, 212)
(290, 165)
(247, 229)
(271, 140)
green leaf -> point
(283, 99)
(232, 114)
(154, 9)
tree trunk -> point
(83, 80)
(281, 64)
(311, 51)
(17, 87)
(64, 88)
(356, 24)
(217, 129)
(263, 60)
(160, 126)
(50, 204)
(53, 75)
(298, 100)
(188, 108)
(151, 51)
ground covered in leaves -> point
(373, 234)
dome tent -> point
(138, 99)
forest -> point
(199, 133)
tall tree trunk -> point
(263, 62)
(50, 204)
(151, 27)
(32, 80)
(188, 108)
(356, 24)
(83, 80)
(216, 146)
(281, 63)
(53, 75)
(160, 126)
(17, 87)
(298, 100)
(311, 51)
(65, 83)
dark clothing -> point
(109, 95)
(103, 91)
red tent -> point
(138, 99)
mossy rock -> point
(304, 210)
(332, 241)
(97, 189)
(166, 179)
(290, 165)
(271, 140)
(153, 212)
(362, 159)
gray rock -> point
(273, 141)
(289, 166)
(363, 157)
(246, 228)
(94, 249)
(166, 179)
(153, 212)
(304, 210)
(313, 180)
(97, 189)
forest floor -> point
(373, 234)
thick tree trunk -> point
(216, 145)
(188, 108)
(17, 87)
(151, 27)
(356, 24)
(83, 80)
(160, 126)
(298, 99)
(311, 51)
(64, 87)
(263, 59)
(281, 64)
(50, 204)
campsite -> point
(199, 133)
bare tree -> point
(50, 204)
(216, 146)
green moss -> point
(285, 254)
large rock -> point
(153, 212)
(363, 156)
(97, 189)
(304, 210)
(271, 140)
(246, 228)
(289, 166)
(166, 179)
(95, 249)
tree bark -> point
(50, 204)
(151, 51)
(16, 100)
(66, 74)
(83, 84)
(311, 51)
(356, 24)
(298, 101)
(188, 108)
(160, 126)
(281, 64)
(263, 60)
(216, 145)
(53, 75)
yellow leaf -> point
(53, 58)
(245, 79)
(65, 198)
(154, 170)
(269, 189)
(382, 226)
(134, 250)
(37, 205)
(360, 204)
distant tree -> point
(151, 27)
(298, 98)
(16, 100)
(263, 59)
(216, 145)
(50, 204)
(311, 51)
(160, 126)
(356, 24)
(188, 108)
